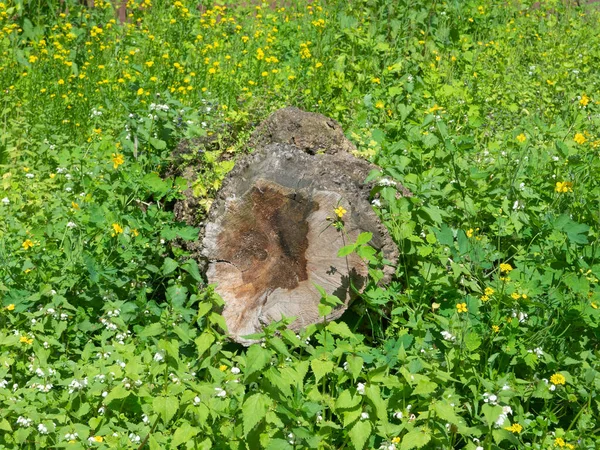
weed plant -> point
(487, 338)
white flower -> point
(448, 336)
(39, 372)
(101, 410)
(3, 383)
(134, 438)
(507, 410)
(24, 422)
(506, 387)
(158, 357)
(71, 436)
(45, 387)
(555, 158)
(197, 401)
(64, 316)
(71, 224)
(490, 398)
(552, 387)
(360, 388)
(68, 189)
(364, 416)
(479, 447)
(386, 182)
(398, 415)
(145, 418)
(376, 202)
(29, 175)
(42, 428)
(501, 419)
(5, 200)
(220, 392)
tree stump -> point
(269, 236)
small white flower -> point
(71, 225)
(68, 189)
(501, 419)
(552, 387)
(507, 410)
(538, 351)
(71, 436)
(29, 175)
(197, 401)
(506, 387)
(364, 416)
(479, 447)
(24, 421)
(360, 388)
(398, 415)
(5, 200)
(101, 410)
(220, 392)
(386, 182)
(235, 370)
(376, 202)
(104, 394)
(42, 428)
(448, 336)
(158, 357)
(134, 438)
(39, 372)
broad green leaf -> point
(359, 433)
(169, 266)
(346, 250)
(491, 413)
(340, 329)
(278, 444)
(184, 434)
(191, 267)
(355, 365)
(425, 387)
(363, 238)
(254, 410)
(256, 359)
(346, 400)
(154, 329)
(203, 342)
(417, 438)
(321, 368)
(118, 392)
(166, 406)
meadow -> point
(488, 335)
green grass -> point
(487, 336)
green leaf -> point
(166, 406)
(359, 433)
(191, 267)
(417, 438)
(425, 387)
(355, 365)
(169, 266)
(254, 410)
(5, 425)
(340, 329)
(321, 368)
(203, 342)
(118, 392)
(278, 444)
(256, 359)
(184, 434)
(472, 341)
(154, 329)
(346, 250)
(347, 401)
(363, 238)
(158, 144)
(491, 413)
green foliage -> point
(487, 336)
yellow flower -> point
(149, 63)
(376, 80)
(340, 211)
(560, 442)
(550, 82)
(396, 440)
(222, 367)
(495, 328)
(580, 138)
(515, 296)
(98, 439)
(117, 228)
(521, 138)
(379, 105)
(564, 186)
(117, 159)
(27, 244)
(470, 232)
(484, 298)
(514, 428)
(26, 340)
(140, 91)
(505, 268)
(74, 205)
(135, 232)
(11, 307)
(594, 305)
(584, 100)
(557, 378)
(488, 291)
(461, 307)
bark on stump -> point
(269, 235)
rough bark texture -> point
(269, 236)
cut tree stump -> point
(269, 236)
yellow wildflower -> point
(584, 100)
(74, 205)
(340, 211)
(98, 438)
(461, 307)
(514, 428)
(27, 244)
(26, 340)
(521, 138)
(559, 442)
(470, 232)
(396, 440)
(488, 291)
(117, 159)
(495, 328)
(594, 305)
(564, 186)
(557, 378)
(505, 268)
(222, 367)
(376, 80)
(515, 296)
(379, 105)
(11, 307)
(579, 138)
(117, 228)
